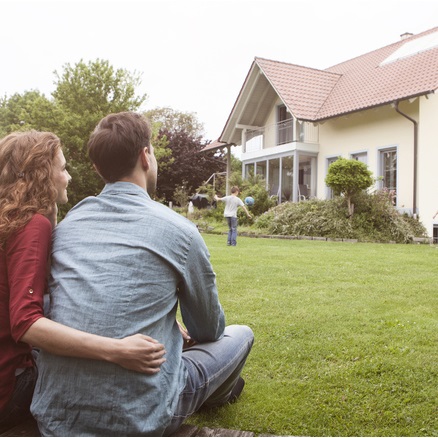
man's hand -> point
(139, 353)
(188, 341)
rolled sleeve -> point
(27, 255)
(201, 310)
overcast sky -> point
(194, 55)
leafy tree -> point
(85, 93)
(172, 120)
(348, 177)
(22, 112)
(188, 165)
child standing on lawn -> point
(232, 203)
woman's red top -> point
(23, 281)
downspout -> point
(414, 198)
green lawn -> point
(346, 337)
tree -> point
(189, 166)
(22, 112)
(85, 93)
(348, 178)
(169, 119)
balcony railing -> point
(287, 131)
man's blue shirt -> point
(121, 262)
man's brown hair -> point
(116, 143)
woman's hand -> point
(139, 353)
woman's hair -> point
(116, 142)
(26, 186)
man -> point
(121, 264)
(232, 203)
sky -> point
(194, 55)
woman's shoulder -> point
(38, 222)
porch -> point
(285, 155)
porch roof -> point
(377, 78)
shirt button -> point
(31, 291)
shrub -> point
(310, 218)
(347, 177)
(375, 220)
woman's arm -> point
(138, 352)
(27, 253)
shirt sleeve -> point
(201, 310)
(27, 255)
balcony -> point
(282, 133)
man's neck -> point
(136, 179)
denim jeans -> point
(232, 230)
(213, 370)
(17, 409)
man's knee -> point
(242, 332)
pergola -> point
(219, 145)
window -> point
(329, 190)
(274, 177)
(388, 161)
(388, 166)
(287, 178)
(261, 169)
(249, 170)
(285, 125)
(360, 156)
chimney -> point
(406, 35)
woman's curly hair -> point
(26, 185)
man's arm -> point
(201, 310)
(138, 352)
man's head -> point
(235, 190)
(116, 144)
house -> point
(381, 108)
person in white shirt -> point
(232, 203)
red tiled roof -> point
(303, 90)
(357, 84)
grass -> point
(345, 337)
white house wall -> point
(428, 160)
(372, 131)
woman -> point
(33, 180)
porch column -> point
(295, 177)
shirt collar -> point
(124, 187)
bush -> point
(375, 220)
(309, 218)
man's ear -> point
(144, 158)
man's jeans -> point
(232, 230)
(213, 370)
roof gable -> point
(302, 89)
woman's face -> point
(61, 177)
